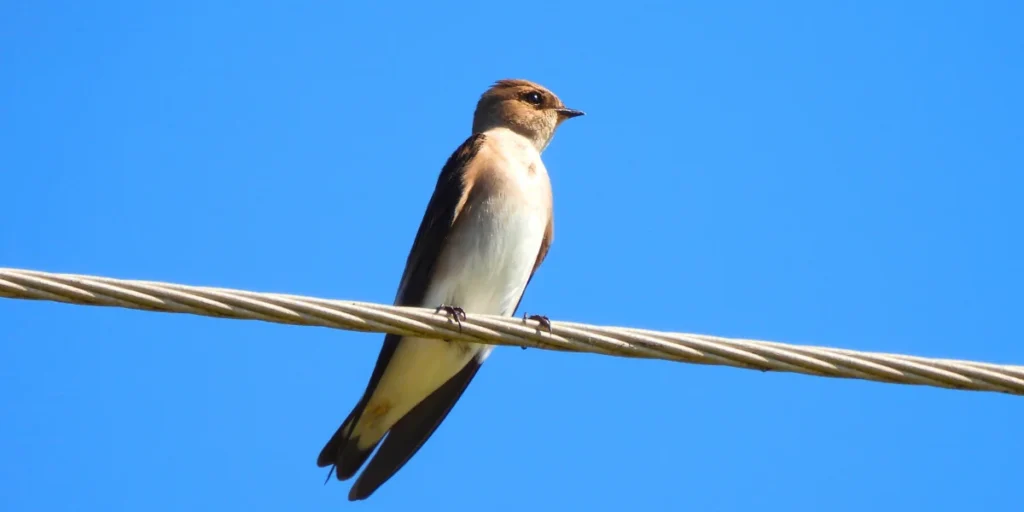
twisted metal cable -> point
(496, 330)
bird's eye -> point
(533, 97)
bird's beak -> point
(568, 113)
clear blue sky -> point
(830, 173)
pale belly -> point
(489, 259)
(484, 270)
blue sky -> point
(830, 173)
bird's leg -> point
(454, 312)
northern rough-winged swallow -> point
(486, 229)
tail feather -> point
(342, 451)
(407, 436)
(401, 441)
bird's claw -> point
(454, 312)
(544, 322)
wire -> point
(497, 330)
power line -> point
(496, 330)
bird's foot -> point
(454, 312)
(544, 322)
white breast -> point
(491, 254)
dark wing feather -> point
(341, 450)
(444, 206)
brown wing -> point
(442, 210)
(448, 199)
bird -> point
(486, 230)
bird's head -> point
(523, 107)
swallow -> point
(487, 228)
